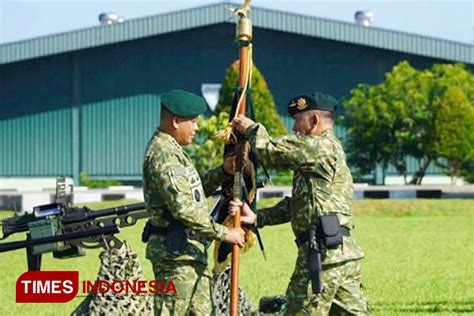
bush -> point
(97, 183)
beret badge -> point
(300, 104)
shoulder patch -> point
(197, 195)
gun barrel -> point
(119, 210)
(70, 236)
(16, 224)
(80, 217)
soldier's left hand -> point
(241, 123)
(247, 216)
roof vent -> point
(110, 18)
(364, 18)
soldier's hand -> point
(241, 123)
(236, 236)
(247, 216)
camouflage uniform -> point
(172, 183)
(322, 184)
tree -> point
(412, 95)
(453, 94)
(397, 118)
(388, 121)
(467, 171)
(262, 99)
(361, 119)
(455, 131)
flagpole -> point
(244, 38)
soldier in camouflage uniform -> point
(322, 184)
(180, 226)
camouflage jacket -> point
(322, 184)
(171, 183)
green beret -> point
(312, 101)
(182, 103)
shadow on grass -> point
(426, 307)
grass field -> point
(419, 259)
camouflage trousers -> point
(193, 288)
(342, 292)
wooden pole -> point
(244, 38)
(238, 183)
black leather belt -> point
(163, 231)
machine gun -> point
(66, 231)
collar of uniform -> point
(170, 139)
(326, 132)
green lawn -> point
(419, 259)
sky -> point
(452, 20)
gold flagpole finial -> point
(243, 11)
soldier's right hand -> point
(236, 236)
(241, 123)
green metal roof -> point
(216, 13)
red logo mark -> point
(47, 286)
